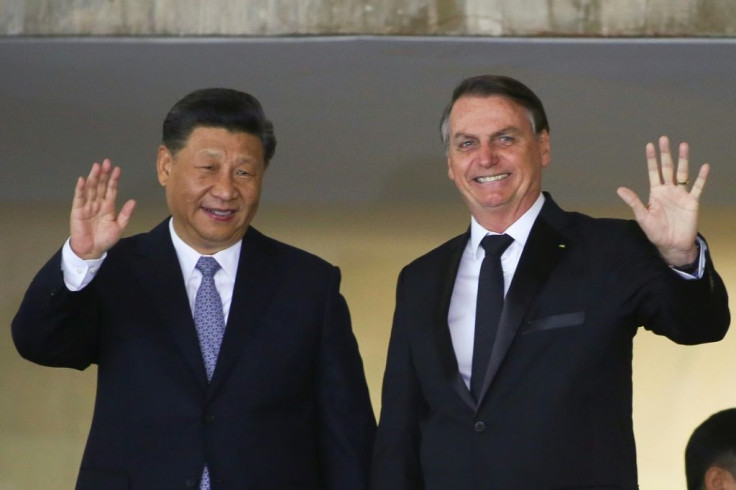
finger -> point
(111, 190)
(699, 184)
(630, 198)
(90, 185)
(682, 165)
(125, 214)
(104, 179)
(655, 178)
(666, 157)
(79, 195)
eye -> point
(240, 172)
(505, 140)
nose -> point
(486, 155)
(224, 186)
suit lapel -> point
(159, 274)
(443, 339)
(259, 274)
(542, 251)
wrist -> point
(689, 262)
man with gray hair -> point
(509, 364)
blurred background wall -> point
(355, 90)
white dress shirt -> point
(461, 317)
(78, 272)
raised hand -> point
(94, 224)
(670, 220)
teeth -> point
(220, 213)
(491, 178)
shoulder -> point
(440, 256)
(256, 243)
(583, 226)
(601, 226)
(607, 237)
(153, 240)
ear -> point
(545, 148)
(450, 172)
(164, 160)
(717, 478)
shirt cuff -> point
(78, 273)
(700, 270)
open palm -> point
(94, 224)
(670, 220)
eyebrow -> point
(506, 130)
(208, 152)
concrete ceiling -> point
(356, 117)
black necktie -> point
(488, 307)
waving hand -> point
(670, 220)
(94, 224)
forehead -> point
(492, 112)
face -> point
(495, 159)
(212, 185)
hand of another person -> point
(94, 225)
(670, 220)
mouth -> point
(491, 178)
(219, 213)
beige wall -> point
(45, 413)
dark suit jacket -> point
(287, 407)
(556, 406)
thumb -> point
(633, 201)
(125, 214)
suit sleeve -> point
(347, 422)
(687, 311)
(54, 326)
(396, 464)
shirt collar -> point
(519, 229)
(188, 257)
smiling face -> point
(213, 185)
(495, 159)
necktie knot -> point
(208, 266)
(494, 245)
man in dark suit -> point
(549, 404)
(240, 372)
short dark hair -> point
(218, 108)
(713, 443)
(488, 85)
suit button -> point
(210, 419)
(190, 483)
(479, 427)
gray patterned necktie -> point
(208, 316)
(210, 322)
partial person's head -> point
(496, 138)
(215, 148)
(710, 455)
